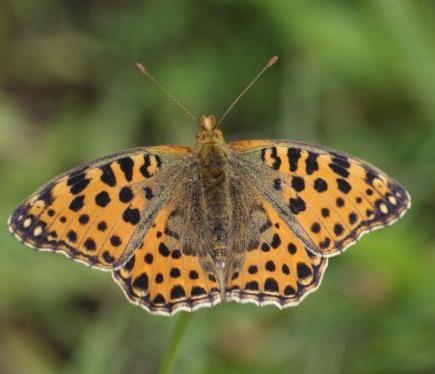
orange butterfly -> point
(183, 228)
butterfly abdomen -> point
(214, 178)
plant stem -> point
(174, 344)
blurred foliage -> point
(358, 76)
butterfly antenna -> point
(143, 70)
(269, 64)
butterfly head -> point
(208, 132)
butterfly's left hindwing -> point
(94, 213)
(279, 270)
(329, 198)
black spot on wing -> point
(339, 170)
(175, 273)
(77, 203)
(298, 183)
(102, 199)
(276, 241)
(285, 269)
(297, 205)
(311, 164)
(343, 185)
(141, 282)
(108, 176)
(158, 161)
(108, 257)
(164, 250)
(144, 168)
(102, 226)
(263, 154)
(339, 202)
(338, 229)
(89, 244)
(193, 274)
(176, 254)
(293, 155)
(271, 285)
(79, 186)
(340, 159)
(289, 291)
(84, 219)
(46, 195)
(320, 185)
(75, 178)
(325, 243)
(252, 286)
(177, 292)
(371, 175)
(148, 193)
(159, 278)
(303, 270)
(159, 299)
(291, 248)
(353, 218)
(115, 240)
(71, 236)
(325, 212)
(149, 258)
(270, 266)
(126, 164)
(277, 184)
(276, 159)
(315, 227)
(131, 215)
(126, 195)
(198, 291)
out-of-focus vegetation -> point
(358, 76)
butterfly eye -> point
(207, 123)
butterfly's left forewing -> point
(97, 213)
(328, 198)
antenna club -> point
(272, 61)
(141, 68)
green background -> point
(355, 75)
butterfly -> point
(180, 228)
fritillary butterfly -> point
(184, 228)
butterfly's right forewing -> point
(99, 212)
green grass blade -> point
(174, 344)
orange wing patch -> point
(335, 198)
(92, 213)
(281, 271)
(162, 279)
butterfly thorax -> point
(213, 171)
